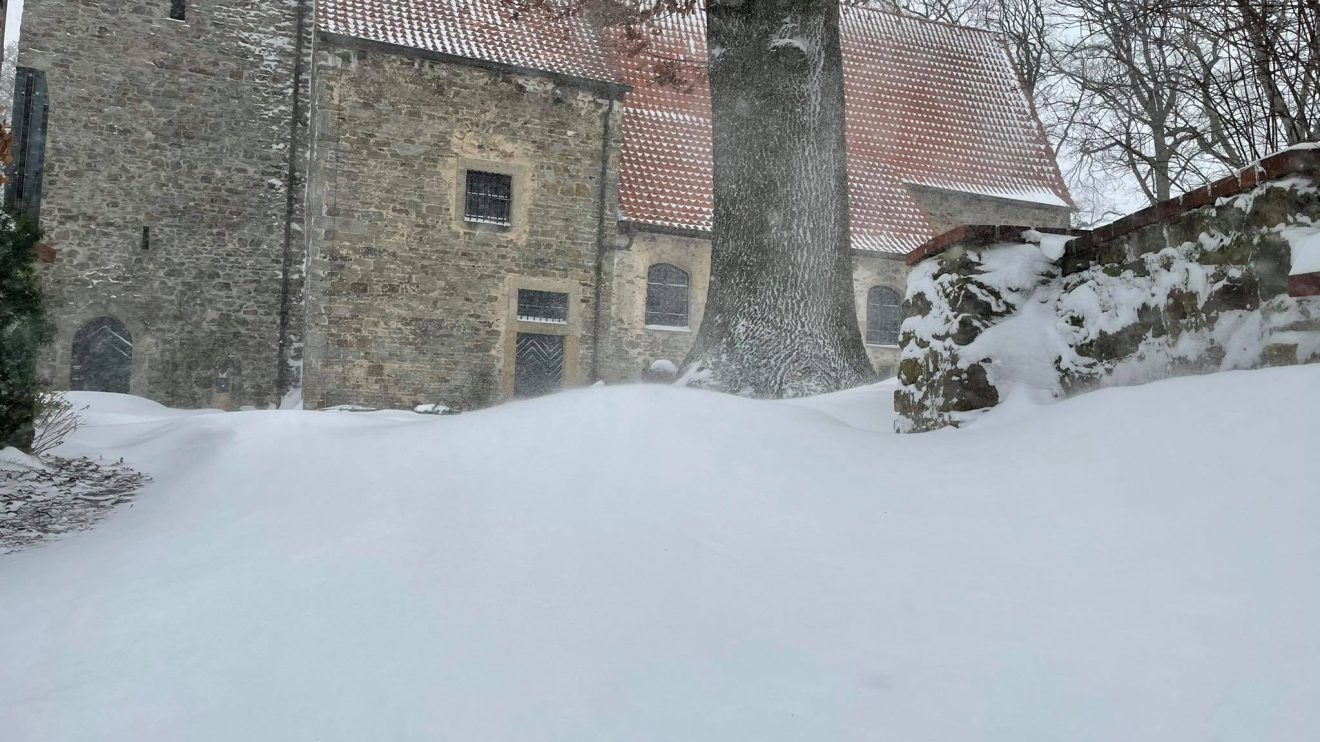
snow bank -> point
(657, 563)
(1304, 242)
(868, 407)
(14, 460)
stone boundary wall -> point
(1214, 280)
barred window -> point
(666, 296)
(489, 196)
(178, 9)
(884, 315)
(542, 306)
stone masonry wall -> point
(945, 210)
(1205, 290)
(870, 270)
(408, 303)
(1196, 285)
(184, 127)
(631, 346)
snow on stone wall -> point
(1200, 291)
(961, 308)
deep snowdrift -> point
(662, 564)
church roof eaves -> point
(483, 31)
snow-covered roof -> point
(475, 29)
(928, 104)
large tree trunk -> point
(780, 319)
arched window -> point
(883, 316)
(666, 296)
(102, 357)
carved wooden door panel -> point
(102, 357)
(538, 364)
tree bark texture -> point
(780, 319)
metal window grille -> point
(884, 316)
(178, 9)
(542, 306)
(489, 197)
(666, 296)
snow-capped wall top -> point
(475, 29)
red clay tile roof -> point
(666, 165)
(928, 104)
(934, 105)
(475, 29)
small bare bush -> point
(56, 420)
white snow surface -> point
(664, 366)
(659, 563)
(1053, 246)
(12, 459)
(1304, 241)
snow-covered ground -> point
(653, 563)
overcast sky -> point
(11, 20)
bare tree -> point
(1258, 78)
(1175, 93)
(1132, 116)
(1027, 34)
(959, 12)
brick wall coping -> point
(1288, 162)
(980, 234)
(1305, 284)
(1274, 167)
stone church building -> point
(390, 203)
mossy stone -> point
(909, 371)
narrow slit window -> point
(178, 9)
(542, 306)
(146, 238)
(489, 198)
